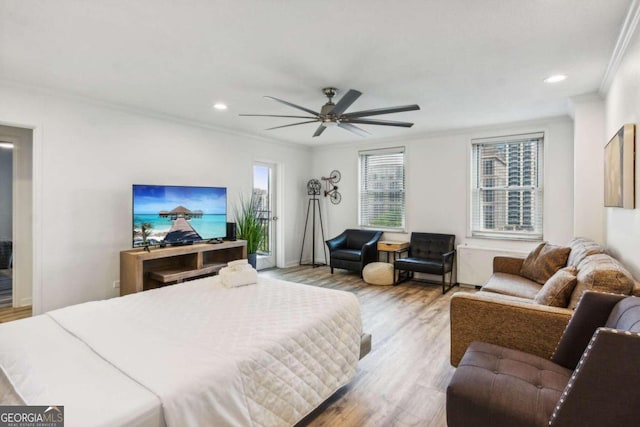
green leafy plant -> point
(248, 222)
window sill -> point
(496, 236)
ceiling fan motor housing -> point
(326, 110)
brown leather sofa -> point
(504, 312)
(591, 380)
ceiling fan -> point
(334, 114)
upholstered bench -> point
(378, 273)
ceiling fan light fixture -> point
(220, 106)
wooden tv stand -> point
(141, 270)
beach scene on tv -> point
(175, 215)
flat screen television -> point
(171, 214)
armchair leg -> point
(331, 270)
(400, 278)
(451, 285)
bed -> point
(188, 355)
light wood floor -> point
(403, 381)
(9, 314)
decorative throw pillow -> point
(601, 273)
(581, 248)
(557, 290)
(544, 261)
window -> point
(506, 196)
(488, 167)
(488, 194)
(382, 191)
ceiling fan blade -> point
(276, 115)
(294, 106)
(319, 131)
(354, 129)
(378, 111)
(346, 101)
(379, 122)
(292, 124)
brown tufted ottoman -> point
(495, 386)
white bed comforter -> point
(261, 355)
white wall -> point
(6, 198)
(623, 106)
(437, 177)
(588, 166)
(88, 155)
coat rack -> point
(313, 190)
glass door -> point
(6, 224)
(264, 192)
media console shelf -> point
(141, 270)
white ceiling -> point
(466, 63)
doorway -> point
(16, 224)
(264, 178)
(6, 224)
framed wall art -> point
(619, 169)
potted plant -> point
(249, 225)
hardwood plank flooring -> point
(403, 381)
(9, 314)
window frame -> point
(475, 228)
(403, 191)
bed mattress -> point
(187, 355)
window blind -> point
(507, 190)
(382, 189)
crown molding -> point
(626, 33)
(78, 98)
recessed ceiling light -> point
(220, 106)
(6, 145)
(555, 78)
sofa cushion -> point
(557, 290)
(504, 297)
(497, 386)
(419, 265)
(581, 247)
(347, 254)
(511, 284)
(602, 273)
(544, 261)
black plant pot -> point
(253, 258)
